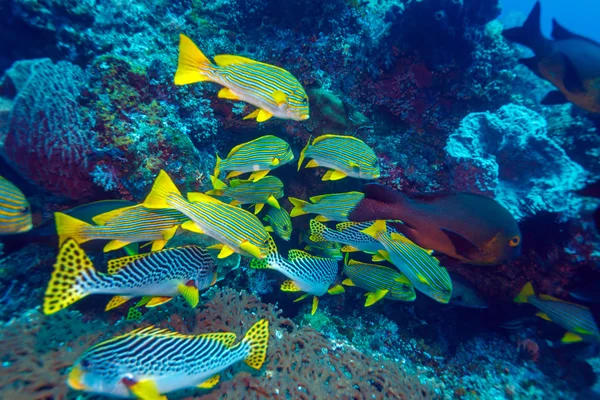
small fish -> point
(570, 62)
(258, 156)
(236, 229)
(348, 233)
(307, 273)
(471, 228)
(379, 282)
(417, 264)
(343, 155)
(465, 294)
(576, 319)
(279, 222)
(15, 212)
(330, 207)
(272, 89)
(149, 361)
(122, 226)
(267, 190)
(322, 249)
(160, 276)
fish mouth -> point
(75, 378)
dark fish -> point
(570, 62)
(471, 228)
(465, 294)
(592, 190)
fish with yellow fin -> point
(273, 90)
(343, 155)
(258, 156)
(348, 233)
(159, 276)
(576, 319)
(148, 362)
(265, 191)
(330, 207)
(237, 230)
(15, 212)
(280, 222)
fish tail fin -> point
(301, 158)
(377, 227)
(317, 229)
(217, 170)
(530, 34)
(257, 338)
(70, 227)
(218, 186)
(525, 293)
(73, 271)
(162, 189)
(193, 65)
(298, 206)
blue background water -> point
(580, 16)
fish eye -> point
(514, 241)
(305, 100)
(85, 364)
(23, 210)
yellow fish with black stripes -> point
(236, 229)
(15, 212)
(330, 207)
(158, 276)
(258, 156)
(265, 191)
(150, 361)
(273, 90)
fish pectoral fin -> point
(337, 289)
(315, 305)
(210, 382)
(543, 316)
(226, 93)
(374, 297)
(272, 201)
(554, 97)
(115, 245)
(269, 228)
(157, 301)
(258, 207)
(143, 390)
(571, 78)
(190, 294)
(252, 115)
(116, 301)
(333, 175)
(571, 337)
(275, 161)
(348, 282)
(279, 97)
(463, 246)
(290, 286)
(312, 164)
(258, 175)
(191, 226)
(225, 252)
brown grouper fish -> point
(471, 228)
(570, 62)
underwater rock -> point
(508, 155)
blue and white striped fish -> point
(576, 319)
(161, 275)
(122, 226)
(330, 207)
(279, 222)
(348, 233)
(258, 156)
(267, 190)
(272, 89)
(343, 155)
(417, 264)
(379, 282)
(150, 361)
(15, 212)
(236, 229)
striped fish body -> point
(374, 278)
(280, 222)
(273, 90)
(343, 155)
(330, 207)
(15, 212)
(266, 190)
(348, 233)
(149, 361)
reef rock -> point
(508, 155)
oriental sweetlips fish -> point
(149, 361)
(330, 207)
(471, 228)
(343, 155)
(273, 90)
(570, 62)
(307, 273)
(267, 190)
(236, 229)
(418, 265)
(15, 212)
(258, 156)
(348, 233)
(379, 282)
(160, 275)
(122, 226)
(576, 319)
(279, 222)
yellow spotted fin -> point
(257, 338)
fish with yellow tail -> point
(348, 233)
(273, 90)
(265, 191)
(122, 226)
(417, 264)
(258, 156)
(330, 207)
(343, 155)
(576, 319)
(157, 276)
(309, 274)
(280, 222)
(379, 281)
(237, 230)
(148, 362)
(15, 212)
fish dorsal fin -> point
(197, 197)
(295, 254)
(559, 32)
(547, 297)
(158, 332)
(117, 264)
(223, 60)
(102, 219)
(329, 136)
(225, 338)
(345, 225)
